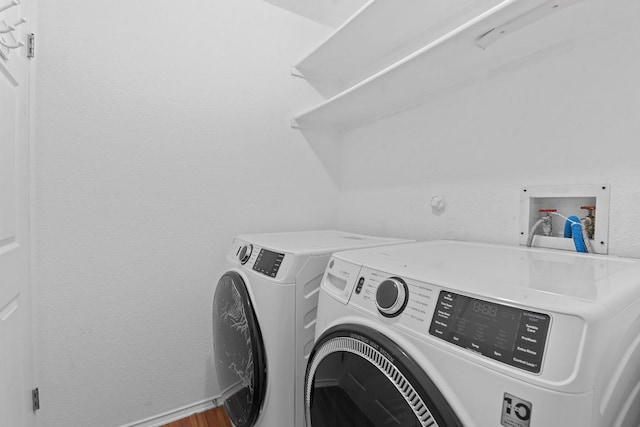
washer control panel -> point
(514, 336)
(507, 334)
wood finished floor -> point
(212, 418)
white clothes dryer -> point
(264, 310)
(449, 333)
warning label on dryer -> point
(516, 412)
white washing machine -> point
(264, 311)
(448, 333)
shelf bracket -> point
(294, 124)
(296, 73)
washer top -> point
(315, 242)
(509, 273)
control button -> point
(526, 351)
(440, 323)
(359, 285)
(476, 346)
(392, 296)
(458, 339)
(245, 253)
(529, 339)
(437, 331)
(443, 314)
(525, 363)
(531, 328)
(446, 305)
(535, 323)
(499, 354)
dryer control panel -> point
(268, 262)
(251, 257)
(507, 334)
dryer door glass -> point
(238, 351)
(358, 377)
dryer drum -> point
(359, 377)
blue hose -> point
(573, 228)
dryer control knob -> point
(392, 296)
(245, 253)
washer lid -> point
(238, 351)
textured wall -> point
(566, 117)
(161, 133)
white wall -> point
(565, 118)
(161, 133)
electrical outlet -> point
(567, 200)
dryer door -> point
(358, 377)
(238, 351)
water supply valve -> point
(546, 221)
(590, 220)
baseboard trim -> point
(177, 414)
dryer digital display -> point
(510, 335)
(268, 262)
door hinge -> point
(35, 397)
(31, 45)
